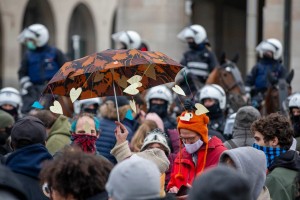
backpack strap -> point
(232, 144)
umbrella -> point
(113, 72)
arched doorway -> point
(81, 35)
(225, 23)
(38, 11)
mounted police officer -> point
(199, 59)
(39, 63)
(267, 71)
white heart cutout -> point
(131, 89)
(75, 93)
(56, 108)
(200, 109)
(134, 79)
(178, 90)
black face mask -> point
(295, 119)
(160, 109)
(214, 111)
(193, 45)
(13, 112)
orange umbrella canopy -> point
(96, 73)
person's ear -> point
(274, 142)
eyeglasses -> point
(188, 140)
(47, 190)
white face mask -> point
(192, 148)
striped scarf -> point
(270, 152)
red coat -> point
(188, 169)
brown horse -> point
(276, 94)
(229, 78)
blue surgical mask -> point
(30, 45)
(192, 148)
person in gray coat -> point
(242, 135)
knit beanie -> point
(157, 156)
(6, 119)
(245, 116)
(135, 178)
(156, 136)
(191, 120)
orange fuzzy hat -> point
(197, 123)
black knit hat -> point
(29, 129)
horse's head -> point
(278, 92)
(228, 76)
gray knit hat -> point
(245, 116)
(156, 136)
(134, 179)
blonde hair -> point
(108, 110)
(140, 134)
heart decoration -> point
(37, 105)
(75, 93)
(56, 108)
(131, 89)
(178, 90)
(132, 105)
(134, 79)
(186, 117)
(200, 109)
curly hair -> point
(76, 173)
(275, 125)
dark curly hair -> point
(275, 125)
(76, 173)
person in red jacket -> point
(199, 151)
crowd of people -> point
(157, 152)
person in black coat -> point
(28, 137)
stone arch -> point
(38, 11)
(81, 33)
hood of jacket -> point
(61, 126)
(28, 160)
(288, 160)
(241, 133)
(252, 163)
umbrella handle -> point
(116, 100)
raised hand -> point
(121, 132)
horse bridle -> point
(228, 88)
